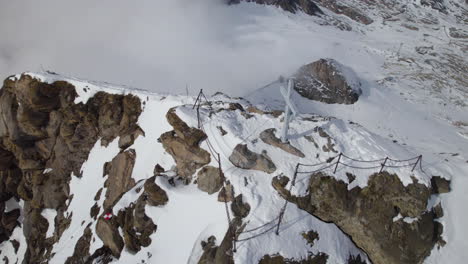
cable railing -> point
(331, 163)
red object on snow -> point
(108, 216)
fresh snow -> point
(397, 116)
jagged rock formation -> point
(154, 195)
(210, 179)
(368, 215)
(340, 8)
(136, 226)
(221, 254)
(240, 208)
(243, 158)
(268, 136)
(325, 80)
(182, 144)
(42, 128)
(321, 258)
(293, 6)
(120, 177)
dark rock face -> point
(325, 81)
(240, 208)
(440, 185)
(367, 215)
(341, 9)
(268, 136)
(243, 158)
(293, 6)
(221, 254)
(182, 144)
(210, 179)
(155, 195)
(42, 128)
(321, 258)
(435, 4)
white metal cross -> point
(290, 111)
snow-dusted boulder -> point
(268, 136)
(243, 158)
(328, 81)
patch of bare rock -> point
(268, 136)
(368, 215)
(243, 158)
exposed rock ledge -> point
(370, 215)
(42, 128)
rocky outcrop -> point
(243, 158)
(340, 8)
(183, 144)
(155, 195)
(221, 254)
(435, 4)
(120, 178)
(367, 215)
(136, 226)
(327, 81)
(42, 128)
(81, 252)
(320, 258)
(108, 232)
(210, 179)
(440, 185)
(226, 194)
(293, 6)
(240, 208)
(268, 136)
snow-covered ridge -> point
(177, 224)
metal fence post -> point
(383, 165)
(417, 161)
(337, 162)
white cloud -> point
(160, 45)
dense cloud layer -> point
(158, 45)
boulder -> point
(210, 179)
(137, 227)
(108, 232)
(155, 195)
(239, 207)
(326, 80)
(292, 6)
(120, 177)
(368, 215)
(182, 144)
(268, 136)
(221, 254)
(243, 158)
(440, 185)
(226, 194)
